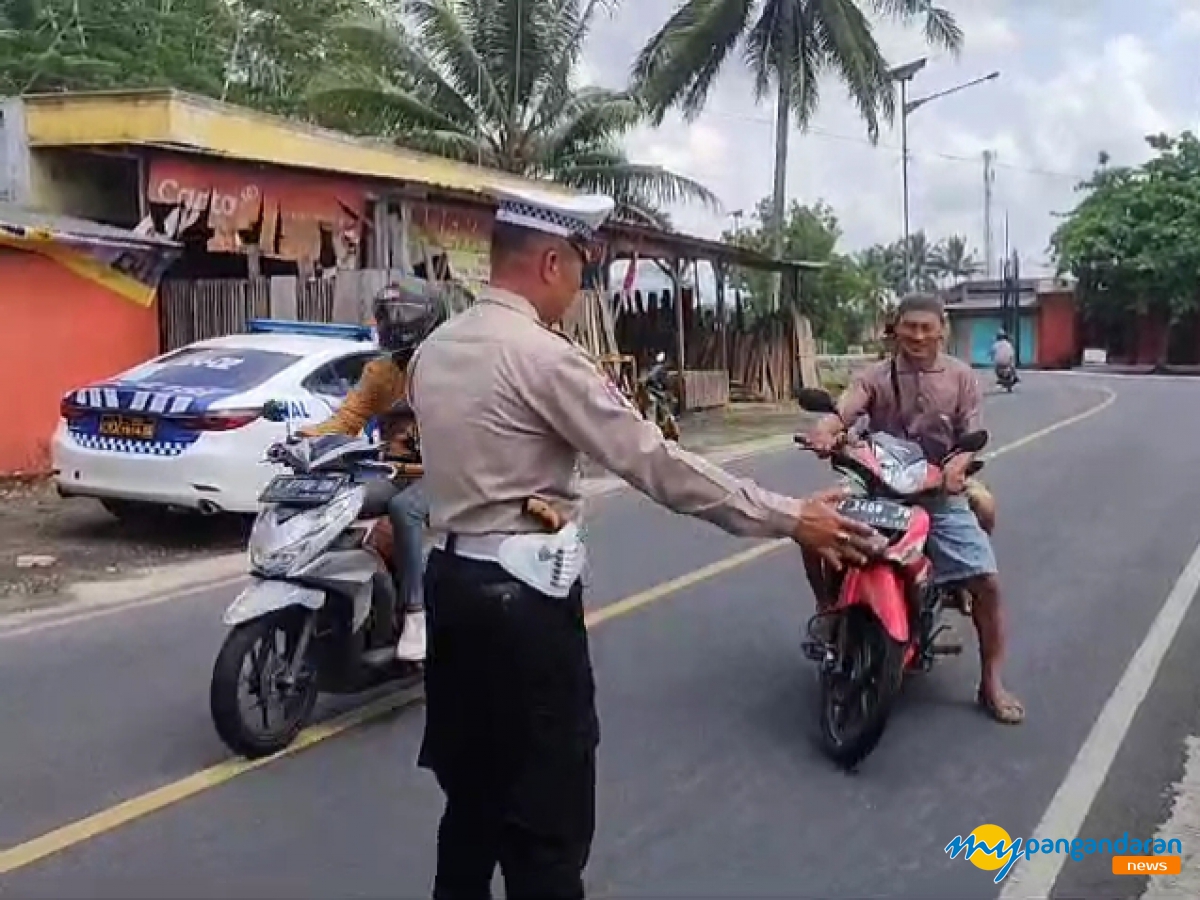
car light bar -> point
(310, 329)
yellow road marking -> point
(134, 808)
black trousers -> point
(510, 732)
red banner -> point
(292, 214)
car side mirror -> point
(816, 400)
(274, 411)
(972, 442)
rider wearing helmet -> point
(405, 314)
(1003, 354)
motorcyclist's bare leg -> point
(814, 568)
(988, 614)
(983, 504)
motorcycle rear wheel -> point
(234, 724)
(858, 691)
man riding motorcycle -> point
(923, 395)
(1004, 356)
(405, 314)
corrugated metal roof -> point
(19, 217)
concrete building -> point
(1048, 336)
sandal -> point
(1012, 713)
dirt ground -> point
(89, 544)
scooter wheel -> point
(249, 663)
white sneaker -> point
(411, 647)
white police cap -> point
(578, 217)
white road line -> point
(1033, 879)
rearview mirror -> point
(274, 411)
(816, 400)
(972, 442)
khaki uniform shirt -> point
(505, 406)
(936, 406)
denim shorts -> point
(958, 547)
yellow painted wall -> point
(140, 118)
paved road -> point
(710, 782)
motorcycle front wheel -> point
(858, 687)
(255, 710)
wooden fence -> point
(195, 310)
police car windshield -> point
(228, 368)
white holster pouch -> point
(549, 563)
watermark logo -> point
(989, 847)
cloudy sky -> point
(1078, 77)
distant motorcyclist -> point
(405, 314)
(1004, 356)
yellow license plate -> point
(136, 427)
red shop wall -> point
(1058, 340)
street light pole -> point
(904, 74)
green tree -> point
(923, 262)
(56, 45)
(953, 259)
(841, 298)
(495, 83)
(885, 262)
(1133, 242)
(260, 53)
(790, 44)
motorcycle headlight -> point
(279, 547)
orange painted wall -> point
(57, 332)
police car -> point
(185, 430)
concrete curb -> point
(180, 579)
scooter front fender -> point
(879, 588)
(265, 596)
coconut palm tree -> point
(922, 261)
(788, 43)
(954, 260)
(494, 83)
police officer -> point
(505, 406)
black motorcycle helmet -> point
(405, 314)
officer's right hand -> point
(822, 529)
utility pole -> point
(989, 179)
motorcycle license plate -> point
(881, 514)
(303, 490)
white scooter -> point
(321, 613)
